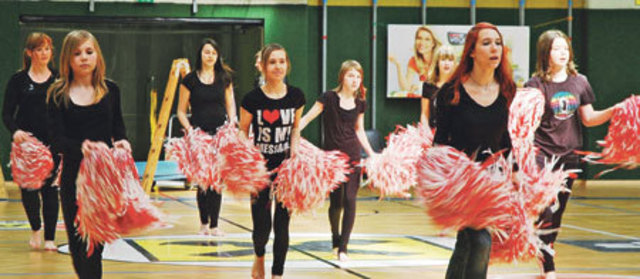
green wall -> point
(298, 28)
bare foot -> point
(342, 256)
(35, 240)
(49, 245)
(257, 271)
(276, 276)
(216, 231)
(204, 229)
(550, 275)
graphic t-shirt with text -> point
(272, 122)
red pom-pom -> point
(393, 172)
(195, 155)
(307, 178)
(242, 168)
(110, 200)
(99, 197)
(31, 163)
(621, 146)
(139, 212)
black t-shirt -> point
(70, 126)
(25, 105)
(272, 122)
(429, 91)
(470, 127)
(560, 131)
(207, 103)
(339, 125)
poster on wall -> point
(406, 44)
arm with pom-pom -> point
(245, 122)
(317, 108)
(295, 133)
(230, 103)
(362, 136)
(591, 117)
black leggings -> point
(551, 217)
(470, 258)
(50, 205)
(344, 197)
(261, 216)
(85, 267)
(209, 206)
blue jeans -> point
(470, 258)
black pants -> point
(344, 198)
(551, 217)
(470, 259)
(209, 206)
(50, 208)
(85, 267)
(50, 205)
(261, 216)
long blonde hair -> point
(59, 90)
(347, 66)
(423, 68)
(443, 53)
(545, 42)
(35, 40)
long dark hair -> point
(503, 73)
(222, 70)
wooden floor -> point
(392, 239)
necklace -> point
(484, 88)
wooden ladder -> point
(179, 69)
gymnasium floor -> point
(392, 239)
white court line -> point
(600, 232)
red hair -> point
(503, 73)
(346, 67)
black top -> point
(273, 122)
(207, 103)
(70, 126)
(429, 91)
(339, 125)
(470, 127)
(25, 105)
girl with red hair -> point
(24, 113)
(472, 110)
(343, 120)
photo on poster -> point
(409, 44)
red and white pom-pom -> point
(525, 115)
(516, 238)
(195, 155)
(139, 213)
(621, 146)
(176, 149)
(458, 192)
(31, 163)
(99, 197)
(307, 178)
(240, 165)
(393, 172)
(540, 189)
